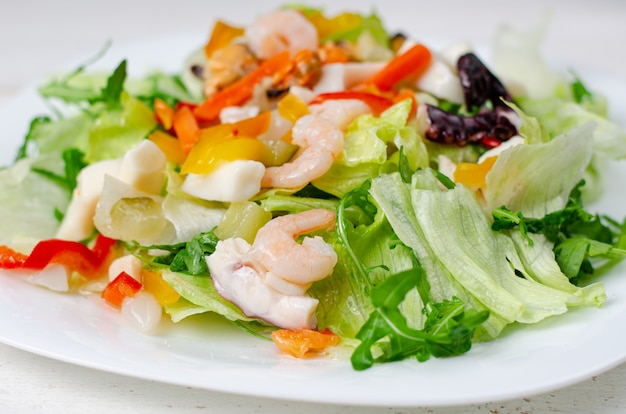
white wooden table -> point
(37, 36)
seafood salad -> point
(322, 183)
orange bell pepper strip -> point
(186, 128)
(221, 36)
(239, 91)
(303, 342)
(376, 102)
(164, 113)
(253, 127)
(412, 63)
(10, 259)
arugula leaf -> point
(579, 90)
(112, 92)
(187, 257)
(448, 329)
(578, 235)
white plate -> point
(209, 353)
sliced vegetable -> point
(164, 113)
(75, 256)
(120, 288)
(169, 145)
(222, 35)
(154, 284)
(303, 342)
(473, 175)
(10, 259)
(292, 108)
(186, 128)
(227, 142)
(410, 64)
(241, 90)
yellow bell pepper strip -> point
(169, 145)
(154, 283)
(292, 108)
(411, 64)
(337, 24)
(164, 113)
(376, 102)
(243, 148)
(120, 288)
(301, 343)
(472, 174)
(239, 91)
(74, 256)
(11, 259)
(186, 128)
(222, 35)
(227, 142)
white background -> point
(39, 37)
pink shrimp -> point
(320, 138)
(276, 253)
(279, 31)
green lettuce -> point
(368, 252)
(28, 202)
(469, 260)
(367, 142)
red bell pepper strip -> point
(241, 90)
(123, 286)
(411, 63)
(75, 256)
(376, 102)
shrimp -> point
(276, 253)
(341, 112)
(321, 143)
(279, 31)
(269, 278)
(320, 138)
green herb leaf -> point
(578, 235)
(447, 331)
(579, 90)
(115, 85)
(189, 257)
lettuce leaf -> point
(28, 202)
(199, 290)
(482, 266)
(367, 142)
(537, 179)
(368, 253)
